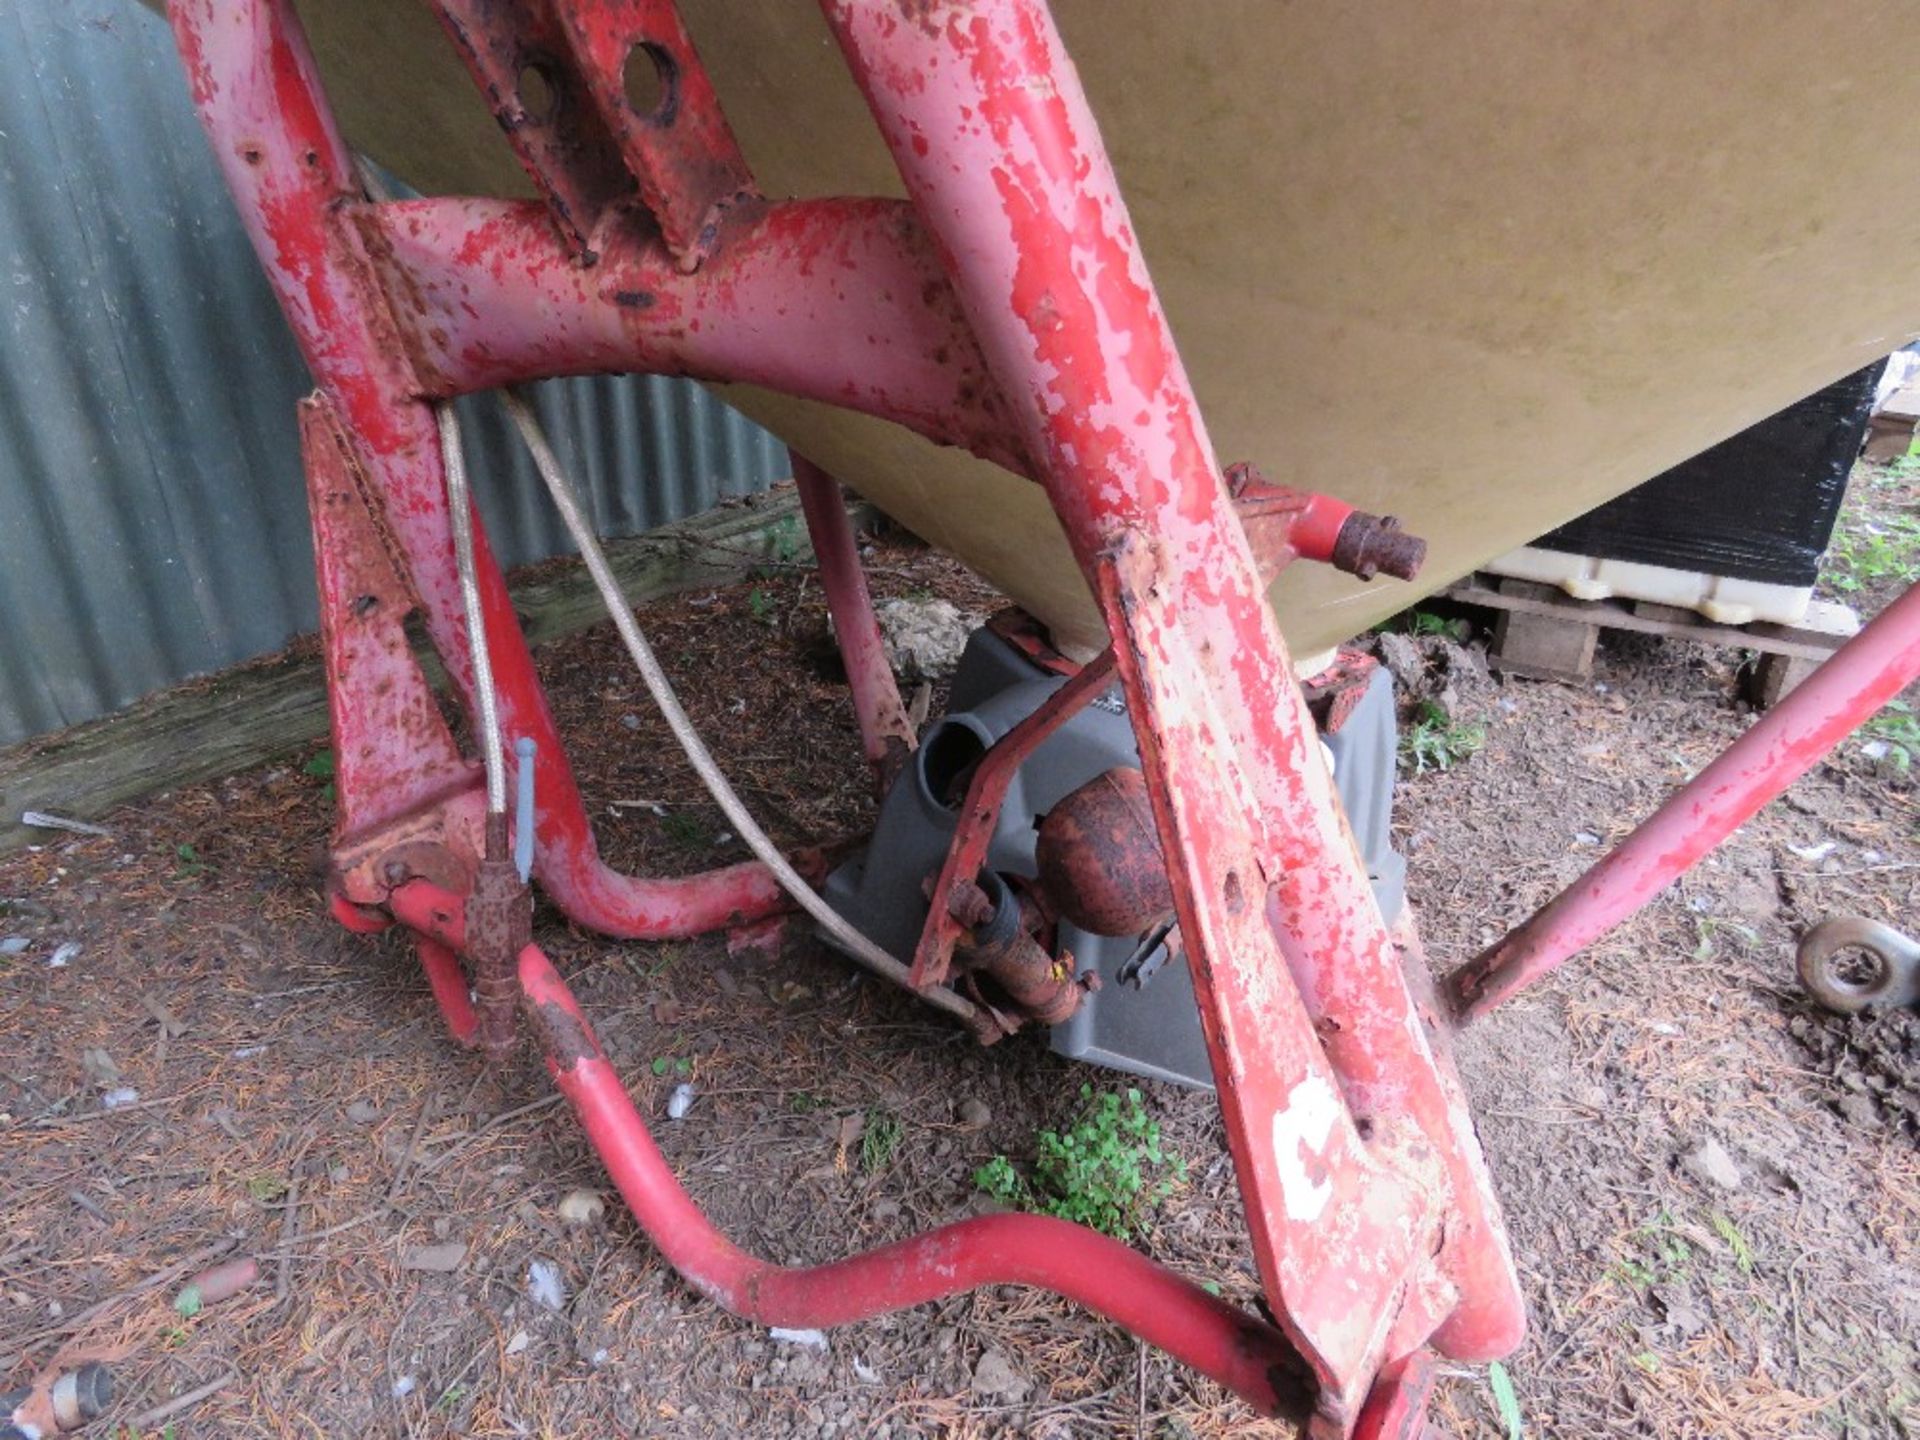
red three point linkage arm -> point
(1243, 1353)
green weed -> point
(879, 1138)
(1709, 931)
(320, 767)
(1425, 622)
(1105, 1172)
(1435, 742)
(1505, 1400)
(1664, 1254)
(686, 830)
(784, 541)
(1900, 728)
(1870, 551)
(1736, 1242)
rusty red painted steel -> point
(392, 752)
(986, 120)
(679, 147)
(837, 300)
(1348, 1134)
(1855, 681)
(980, 813)
(1335, 692)
(886, 735)
(1370, 545)
(517, 56)
(1099, 858)
(1036, 985)
(1239, 1350)
(254, 83)
(499, 914)
(1284, 524)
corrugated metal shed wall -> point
(152, 515)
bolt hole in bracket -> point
(648, 80)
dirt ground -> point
(284, 1089)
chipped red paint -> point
(840, 301)
(1850, 685)
(980, 813)
(1006, 308)
(288, 169)
(1071, 377)
(392, 751)
(1284, 525)
(1242, 1352)
(680, 150)
(1015, 187)
(564, 147)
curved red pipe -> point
(1245, 1354)
(842, 301)
(449, 984)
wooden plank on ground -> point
(1824, 631)
(247, 716)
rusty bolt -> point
(969, 904)
(1370, 544)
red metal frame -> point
(1785, 743)
(886, 735)
(1004, 307)
(1242, 1352)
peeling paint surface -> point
(1301, 1130)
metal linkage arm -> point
(1243, 1353)
(1349, 1143)
(886, 735)
(1785, 743)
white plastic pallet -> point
(1721, 598)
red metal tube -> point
(1316, 529)
(885, 732)
(436, 915)
(1305, 1006)
(1860, 677)
(986, 793)
(1242, 1352)
(259, 97)
(485, 293)
(449, 984)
